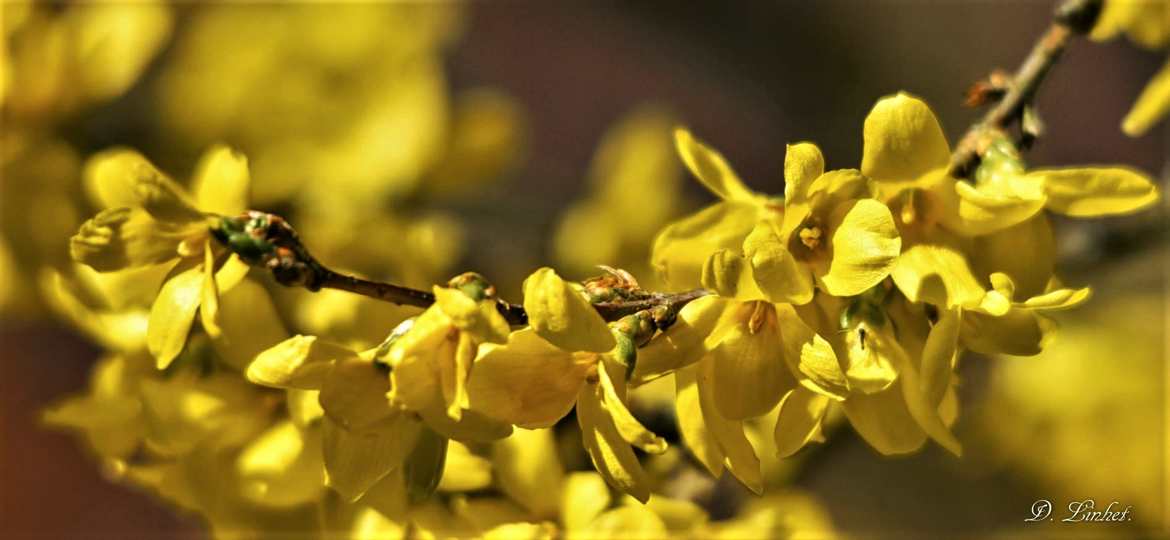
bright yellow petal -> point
(917, 402)
(682, 248)
(799, 421)
(683, 343)
(870, 367)
(750, 373)
(249, 322)
(992, 207)
(1151, 106)
(938, 356)
(903, 140)
(937, 274)
(356, 460)
(221, 182)
(728, 274)
(803, 163)
(631, 430)
(865, 245)
(353, 394)
(1019, 332)
(1000, 252)
(123, 178)
(528, 382)
(740, 456)
(883, 420)
(209, 305)
(611, 455)
(173, 313)
(300, 362)
(481, 319)
(822, 369)
(1058, 299)
(1090, 192)
(699, 440)
(710, 168)
(561, 315)
(776, 273)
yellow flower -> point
(150, 220)
(1147, 23)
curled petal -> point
(777, 275)
(984, 209)
(710, 168)
(1058, 299)
(865, 245)
(561, 315)
(803, 163)
(610, 453)
(124, 237)
(730, 275)
(629, 427)
(682, 248)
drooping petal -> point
(710, 168)
(1001, 252)
(1151, 105)
(865, 245)
(682, 248)
(356, 460)
(884, 421)
(209, 295)
(740, 456)
(353, 394)
(300, 362)
(221, 182)
(612, 401)
(777, 275)
(611, 455)
(1097, 191)
(803, 163)
(561, 315)
(918, 403)
(173, 312)
(699, 440)
(799, 421)
(683, 343)
(903, 140)
(938, 356)
(528, 382)
(750, 373)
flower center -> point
(810, 236)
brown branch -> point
(268, 241)
(1073, 17)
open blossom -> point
(150, 220)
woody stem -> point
(1071, 18)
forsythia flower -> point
(1147, 23)
(150, 220)
(568, 357)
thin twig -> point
(268, 241)
(1073, 17)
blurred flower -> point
(150, 220)
(1147, 23)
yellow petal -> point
(699, 440)
(865, 246)
(123, 238)
(221, 182)
(231, 273)
(870, 367)
(631, 430)
(209, 306)
(938, 356)
(527, 382)
(803, 163)
(682, 344)
(740, 456)
(353, 393)
(561, 315)
(456, 399)
(883, 420)
(994, 206)
(819, 363)
(750, 373)
(1151, 106)
(1058, 299)
(304, 406)
(173, 313)
(611, 455)
(924, 412)
(250, 324)
(283, 467)
(1000, 252)
(528, 470)
(1091, 192)
(356, 460)
(584, 498)
(728, 274)
(123, 178)
(710, 168)
(903, 140)
(776, 273)
(471, 426)
(937, 274)
(300, 362)
(415, 358)
(682, 248)
(799, 421)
